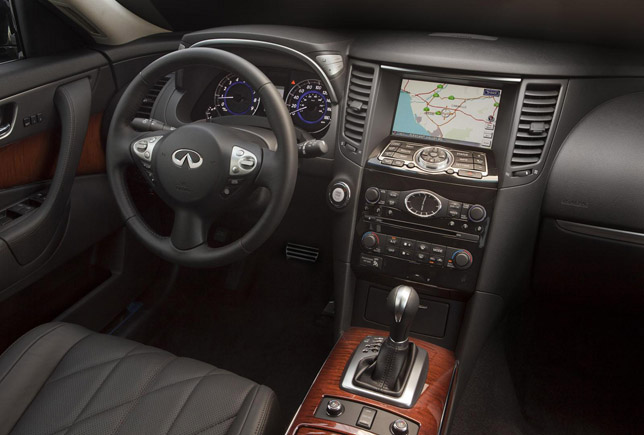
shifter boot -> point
(388, 372)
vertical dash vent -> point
(358, 100)
(537, 115)
(145, 110)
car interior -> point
(321, 218)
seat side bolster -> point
(27, 364)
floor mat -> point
(270, 331)
(557, 369)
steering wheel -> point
(202, 169)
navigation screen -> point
(449, 113)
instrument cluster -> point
(306, 99)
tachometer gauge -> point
(234, 96)
(308, 103)
(422, 203)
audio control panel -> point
(426, 208)
(421, 231)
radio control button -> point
(423, 247)
(405, 253)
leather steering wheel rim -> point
(278, 170)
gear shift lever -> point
(389, 372)
(403, 304)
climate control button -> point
(370, 240)
(462, 259)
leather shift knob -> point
(403, 304)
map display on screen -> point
(446, 112)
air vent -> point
(360, 85)
(537, 115)
(302, 252)
(145, 110)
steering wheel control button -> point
(399, 427)
(339, 194)
(366, 418)
(334, 408)
(242, 162)
(144, 148)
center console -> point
(419, 211)
(373, 383)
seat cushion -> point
(64, 379)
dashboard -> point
(304, 94)
(441, 151)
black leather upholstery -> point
(64, 379)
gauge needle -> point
(224, 98)
(422, 206)
(298, 110)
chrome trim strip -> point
(411, 391)
(449, 392)
(277, 47)
(450, 76)
(603, 232)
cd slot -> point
(394, 223)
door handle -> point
(8, 113)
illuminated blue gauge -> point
(234, 96)
(309, 106)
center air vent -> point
(537, 115)
(360, 85)
(145, 110)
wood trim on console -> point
(427, 412)
(34, 158)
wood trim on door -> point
(34, 158)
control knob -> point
(399, 427)
(372, 195)
(462, 259)
(334, 408)
(477, 213)
(370, 240)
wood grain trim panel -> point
(427, 412)
(34, 158)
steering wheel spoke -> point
(270, 175)
(189, 229)
(142, 153)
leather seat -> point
(64, 379)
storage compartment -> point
(431, 318)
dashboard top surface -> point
(457, 52)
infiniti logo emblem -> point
(194, 159)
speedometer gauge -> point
(308, 103)
(234, 96)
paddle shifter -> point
(391, 369)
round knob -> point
(334, 408)
(399, 427)
(434, 159)
(477, 213)
(370, 240)
(339, 194)
(462, 259)
(372, 195)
